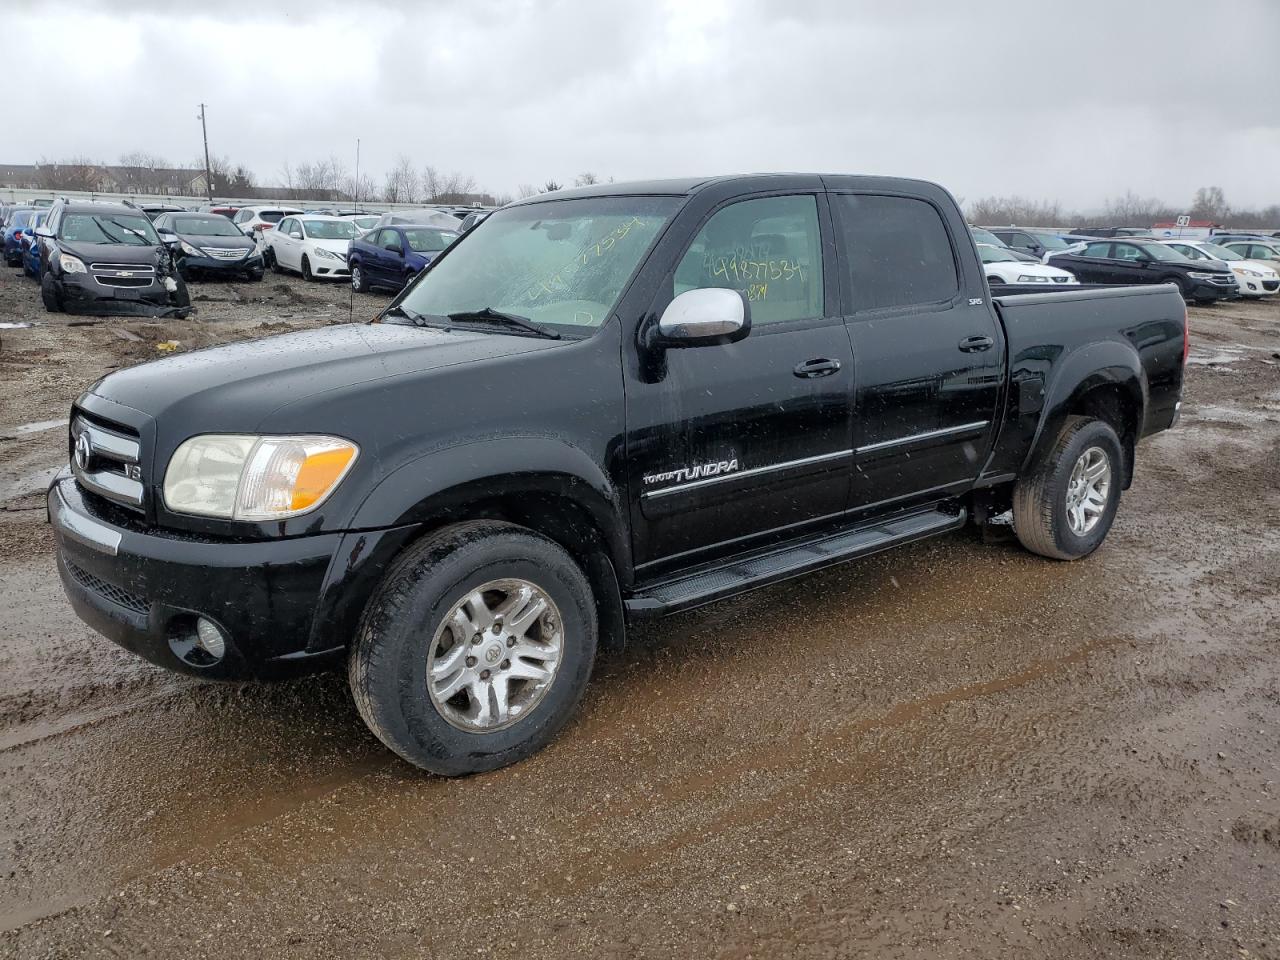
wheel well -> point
(568, 524)
(1114, 406)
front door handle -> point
(974, 344)
(818, 367)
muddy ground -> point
(952, 750)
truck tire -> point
(1064, 507)
(475, 649)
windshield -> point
(328, 229)
(560, 262)
(21, 218)
(986, 236)
(1219, 253)
(275, 216)
(427, 239)
(131, 229)
(1051, 241)
(206, 227)
(990, 254)
(1158, 251)
(364, 223)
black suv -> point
(106, 258)
(1138, 260)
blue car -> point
(392, 256)
(31, 245)
(14, 224)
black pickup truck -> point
(598, 405)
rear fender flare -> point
(1110, 364)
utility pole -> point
(355, 192)
(208, 175)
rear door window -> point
(770, 249)
(897, 251)
(1099, 250)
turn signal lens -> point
(319, 474)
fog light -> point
(210, 639)
(199, 644)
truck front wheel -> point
(1064, 507)
(475, 649)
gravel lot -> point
(955, 749)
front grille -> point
(117, 595)
(1271, 285)
(226, 253)
(123, 274)
(107, 461)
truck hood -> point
(235, 388)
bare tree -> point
(1132, 210)
(525, 190)
(585, 179)
(1015, 210)
(403, 183)
(359, 189)
(229, 179)
(76, 173)
(1210, 204)
(551, 187)
(440, 187)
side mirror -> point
(169, 239)
(704, 317)
(44, 232)
(296, 234)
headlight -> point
(191, 251)
(1203, 276)
(327, 254)
(1025, 278)
(243, 477)
(70, 264)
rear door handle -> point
(818, 367)
(974, 344)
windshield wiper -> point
(417, 319)
(515, 321)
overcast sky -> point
(1074, 102)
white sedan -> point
(313, 245)
(1256, 278)
(1001, 266)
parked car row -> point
(97, 258)
(1223, 267)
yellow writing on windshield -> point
(558, 282)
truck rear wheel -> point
(475, 649)
(1065, 506)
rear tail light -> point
(1186, 335)
(264, 226)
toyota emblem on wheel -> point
(84, 450)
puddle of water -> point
(13, 326)
(38, 427)
(30, 485)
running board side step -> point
(764, 568)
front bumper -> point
(285, 606)
(83, 293)
(324, 267)
(216, 265)
(1256, 286)
(1208, 290)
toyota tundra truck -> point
(599, 405)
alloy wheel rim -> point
(355, 277)
(495, 655)
(1088, 491)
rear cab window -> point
(897, 251)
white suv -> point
(253, 220)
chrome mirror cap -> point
(708, 315)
